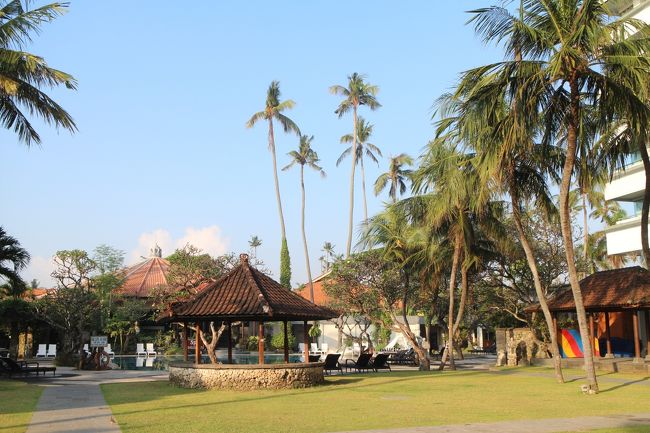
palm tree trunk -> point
(532, 264)
(275, 177)
(449, 350)
(585, 222)
(304, 235)
(363, 187)
(348, 247)
(645, 247)
(463, 298)
(565, 224)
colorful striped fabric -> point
(570, 344)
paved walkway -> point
(584, 423)
(73, 402)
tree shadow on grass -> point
(253, 396)
(624, 384)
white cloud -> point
(40, 268)
(209, 239)
(146, 241)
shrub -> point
(277, 342)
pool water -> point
(161, 362)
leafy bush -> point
(277, 342)
(251, 344)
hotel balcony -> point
(628, 184)
(624, 236)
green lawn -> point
(383, 400)
(17, 402)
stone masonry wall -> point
(249, 377)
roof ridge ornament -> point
(243, 259)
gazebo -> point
(617, 297)
(245, 294)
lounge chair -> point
(139, 349)
(51, 351)
(151, 350)
(314, 348)
(314, 358)
(139, 362)
(42, 351)
(325, 347)
(148, 362)
(380, 362)
(403, 357)
(362, 363)
(12, 367)
(86, 349)
(301, 347)
(109, 351)
(356, 349)
(332, 363)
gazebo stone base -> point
(246, 377)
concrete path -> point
(579, 424)
(73, 402)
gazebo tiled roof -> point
(245, 293)
(141, 278)
(613, 290)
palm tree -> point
(356, 94)
(328, 249)
(273, 111)
(13, 257)
(254, 243)
(396, 176)
(305, 155)
(22, 74)
(364, 131)
(572, 60)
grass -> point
(384, 400)
(17, 402)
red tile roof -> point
(320, 297)
(141, 278)
(245, 293)
(617, 289)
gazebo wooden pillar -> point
(229, 342)
(635, 324)
(609, 336)
(305, 340)
(260, 342)
(197, 345)
(647, 334)
(185, 343)
(286, 342)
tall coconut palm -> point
(22, 74)
(13, 257)
(575, 61)
(328, 249)
(357, 93)
(396, 176)
(254, 243)
(273, 111)
(364, 131)
(305, 156)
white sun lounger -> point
(109, 351)
(51, 351)
(325, 348)
(42, 351)
(140, 349)
(151, 350)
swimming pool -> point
(160, 362)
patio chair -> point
(22, 367)
(42, 351)
(325, 347)
(301, 347)
(148, 362)
(139, 349)
(51, 351)
(314, 358)
(314, 348)
(109, 351)
(332, 363)
(86, 349)
(139, 362)
(380, 362)
(151, 350)
(362, 363)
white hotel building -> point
(628, 184)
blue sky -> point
(162, 153)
